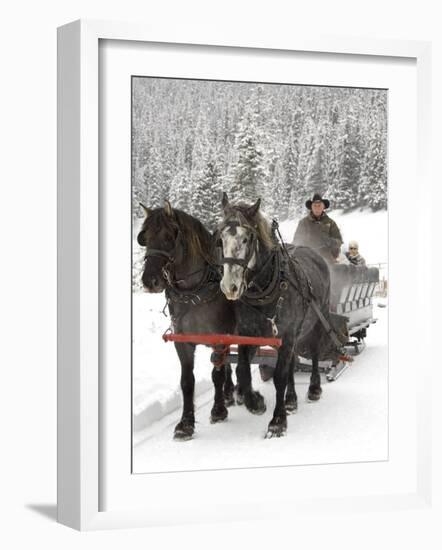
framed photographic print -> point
(213, 193)
(281, 144)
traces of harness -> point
(275, 316)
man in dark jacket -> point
(318, 231)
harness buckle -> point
(274, 327)
(167, 275)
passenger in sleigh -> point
(353, 255)
(318, 231)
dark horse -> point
(180, 260)
(272, 292)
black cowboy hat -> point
(317, 198)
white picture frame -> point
(79, 205)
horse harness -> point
(205, 291)
(208, 287)
(281, 277)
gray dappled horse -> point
(179, 260)
(272, 294)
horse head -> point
(243, 231)
(160, 235)
(177, 247)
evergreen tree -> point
(207, 193)
(272, 192)
(153, 183)
(307, 147)
(277, 205)
(249, 169)
(294, 181)
(139, 193)
(181, 191)
(333, 154)
(188, 151)
(345, 193)
(316, 180)
(373, 187)
(289, 181)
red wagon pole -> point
(225, 339)
(221, 343)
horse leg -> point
(229, 387)
(278, 424)
(239, 396)
(186, 426)
(219, 410)
(314, 390)
(291, 399)
(253, 400)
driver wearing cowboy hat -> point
(318, 231)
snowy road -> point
(349, 423)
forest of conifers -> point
(192, 140)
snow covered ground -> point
(348, 424)
(156, 368)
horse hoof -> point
(277, 428)
(255, 403)
(182, 436)
(275, 433)
(291, 406)
(229, 400)
(291, 402)
(314, 394)
(183, 431)
(218, 414)
(239, 399)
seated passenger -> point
(318, 231)
(353, 255)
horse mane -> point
(259, 222)
(196, 237)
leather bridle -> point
(169, 256)
(171, 260)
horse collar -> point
(273, 289)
